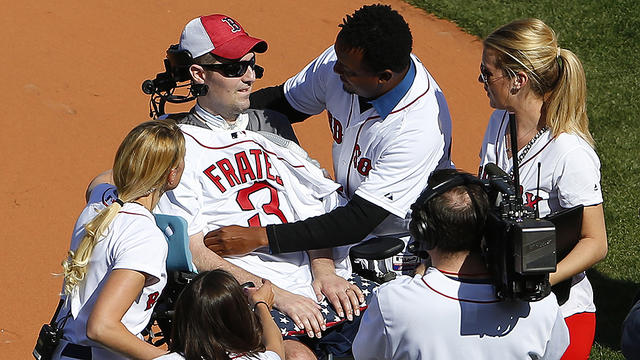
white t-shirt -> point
(438, 317)
(133, 242)
(267, 355)
(569, 176)
(385, 161)
(569, 167)
(241, 178)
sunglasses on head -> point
(236, 69)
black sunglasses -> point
(236, 69)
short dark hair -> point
(382, 34)
(213, 318)
(457, 216)
(206, 58)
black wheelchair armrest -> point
(377, 248)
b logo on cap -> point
(232, 24)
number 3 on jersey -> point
(270, 208)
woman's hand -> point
(262, 294)
(271, 336)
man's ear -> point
(385, 76)
(197, 73)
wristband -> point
(259, 302)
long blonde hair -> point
(555, 74)
(142, 164)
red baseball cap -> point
(220, 35)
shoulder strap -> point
(55, 315)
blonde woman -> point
(526, 72)
(116, 266)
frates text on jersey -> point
(245, 166)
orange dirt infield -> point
(75, 69)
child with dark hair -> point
(214, 320)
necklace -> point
(526, 148)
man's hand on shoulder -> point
(236, 240)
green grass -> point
(605, 35)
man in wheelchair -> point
(234, 176)
(242, 178)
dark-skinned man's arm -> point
(342, 226)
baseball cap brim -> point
(239, 47)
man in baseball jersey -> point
(233, 176)
(450, 311)
(391, 128)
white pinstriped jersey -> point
(240, 178)
(569, 176)
(385, 161)
(437, 317)
(133, 242)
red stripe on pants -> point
(582, 329)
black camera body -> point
(47, 341)
(519, 249)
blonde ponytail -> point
(556, 75)
(75, 266)
(566, 105)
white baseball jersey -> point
(439, 317)
(133, 242)
(384, 159)
(267, 355)
(569, 175)
(241, 178)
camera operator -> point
(450, 311)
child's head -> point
(213, 317)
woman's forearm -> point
(105, 325)
(272, 338)
(116, 337)
(591, 248)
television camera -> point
(521, 249)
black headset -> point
(420, 227)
